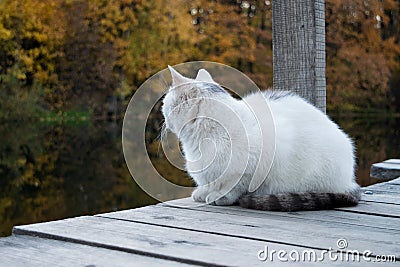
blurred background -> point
(69, 67)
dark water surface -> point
(50, 171)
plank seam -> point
(21, 232)
(382, 202)
(305, 219)
(228, 235)
(369, 213)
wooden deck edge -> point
(18, 231)
(391, 192)
(386, 170)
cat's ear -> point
(204, 76)
(177, 78)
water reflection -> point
(376, 139)
(56, 171)
(50, 172)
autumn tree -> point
(224, 32)
(91, 66)
(163, 35)
(360, 55)
(30, 35)
(85, 67)
(89, 54)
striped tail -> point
(300, 201)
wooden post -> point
(299, 48)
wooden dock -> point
(181, 233)
(388, 169)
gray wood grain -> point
(394, 181)
(374, 208)
(299, 49)
(390, 187)
(364, 207)
(270, 227)
(388, 169)
(214, 235)
(31, 251)
(379, 195)
(206, 235)
(165, 241)
(162, 242)
(328, 216)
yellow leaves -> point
(115, 17)
(54, 41)
(27, 61)
(21, 161)
(40, 37)
(32, 29)
(15, 73)
(360, 52)
(5, 34)
(43, 164)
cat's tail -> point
(300, 201)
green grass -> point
(66, 117)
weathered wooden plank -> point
(32, 251)
(22, 251)
(387, 187)
(388, 169)
(378, 209)
(169, 242)
(394, 181)
(380, 196)
(269, 226)
(393, 161)
(162, 242)
(299, 49)
(374, 208)
(213, 234)
(330, 216)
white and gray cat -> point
(303, 159)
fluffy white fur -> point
(228, 143)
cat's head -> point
(182, 102)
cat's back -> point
(289, 108)
(297, 122)
(310, 144)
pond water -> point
(53, 171)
